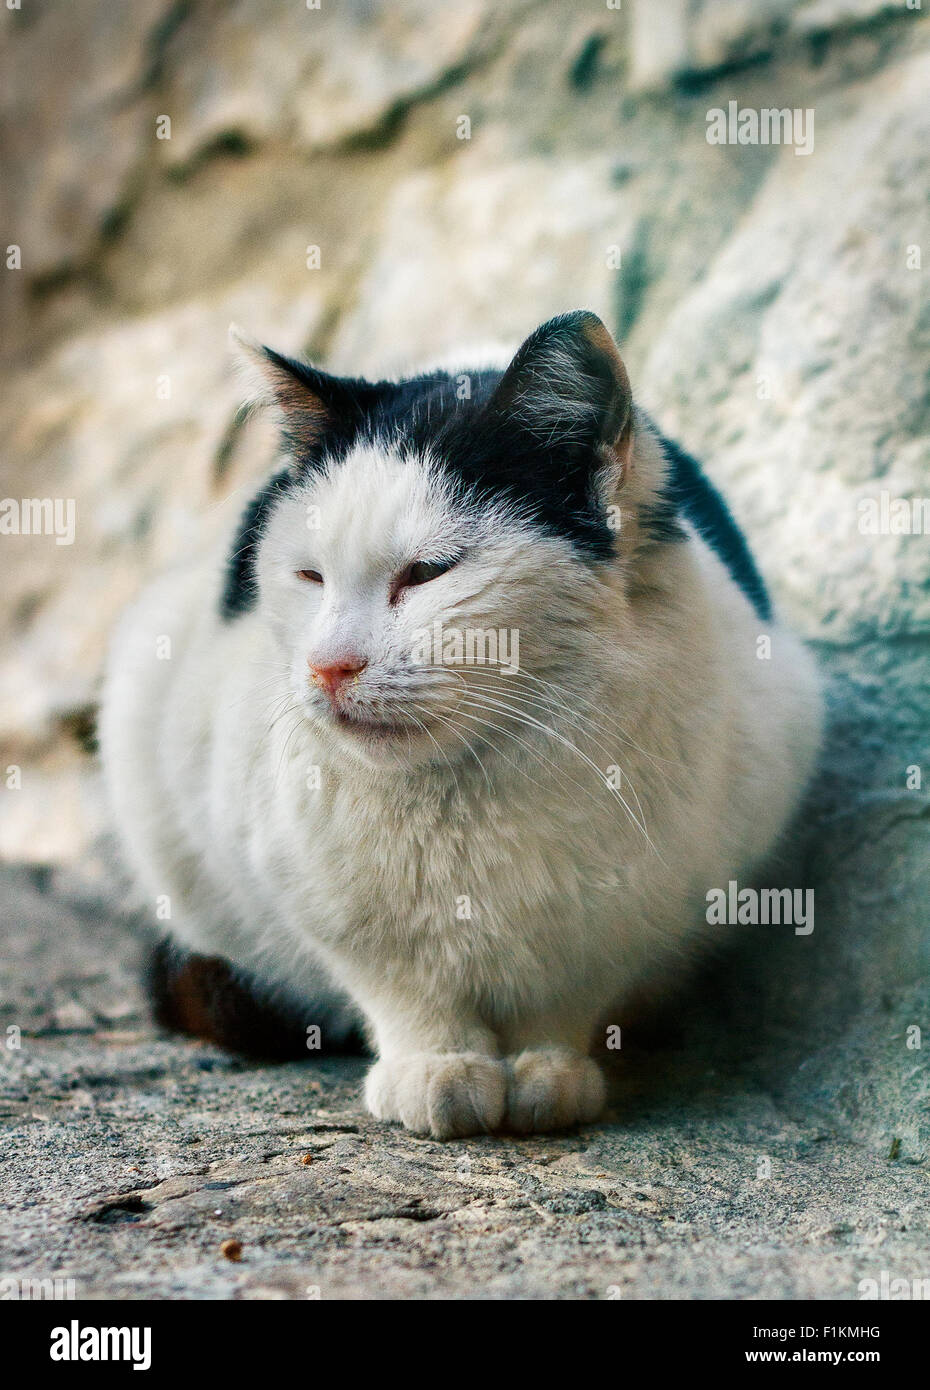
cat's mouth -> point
(364, 724)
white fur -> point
(579, 893)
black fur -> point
(691, 494)
(239, 588)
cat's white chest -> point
(490, 885)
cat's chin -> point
(375, 741)
(365, 727)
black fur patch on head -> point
(530, 437)
(548, 481)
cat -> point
(356, 820)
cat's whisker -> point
(561, 775)
(534, 750)
(569, 718)
(444, 719)
(607, 728)
(431, 736)
(487, 723)
(613, 725)
(532, 722)
(288, 739)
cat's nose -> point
(335, 675)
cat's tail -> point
(211, 999)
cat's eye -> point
(311, 576)
(422, 571)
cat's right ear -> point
(309, 403)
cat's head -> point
(439, 557)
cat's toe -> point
(553, 1088)
(466, 1094)
(447, 1095)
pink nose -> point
(333, 677)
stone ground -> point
(738, 1160)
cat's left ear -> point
(568, 382)
(310, 404)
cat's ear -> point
(568, 382)
(309, 403)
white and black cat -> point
(339, 795)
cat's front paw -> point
(445, 1094)
(553, 1088)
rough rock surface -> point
(727, 1168)
(773, 310)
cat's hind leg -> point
(214, 1000)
